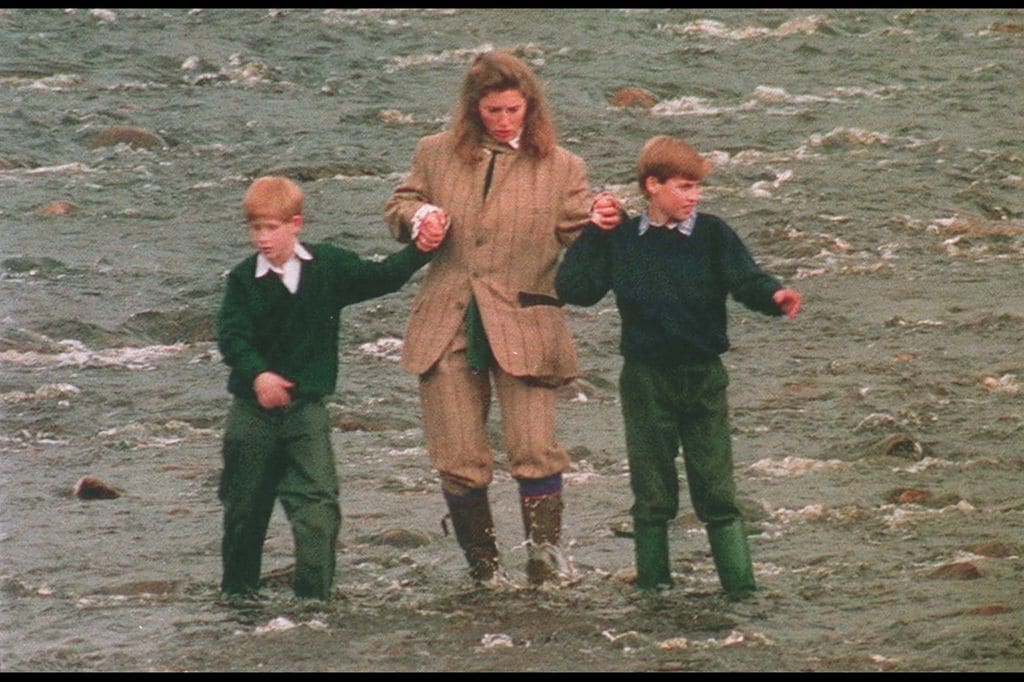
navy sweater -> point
(670, 289)
(264, 327)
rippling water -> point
(871, 158)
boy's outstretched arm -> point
(368, 279)
(585, 274)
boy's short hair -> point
(272, 196)
(665, 157)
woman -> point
(499, 200)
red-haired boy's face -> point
(274, 237)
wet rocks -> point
(1007, 27)
(923, 497)
(136, 138)
(400, 538)
(901, 445)
(994, 550)
(958, 570)
(908, 496)
(987, 610)
(632, 97)
(56, 208)
(92, 488)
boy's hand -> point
(788, 301)
(272, 390)
(606, 211)
(432, 231)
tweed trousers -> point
(456, 404)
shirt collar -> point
(512, 145)
(290, 272)
(684, 227)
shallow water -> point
(869, 158)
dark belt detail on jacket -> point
(526, 299)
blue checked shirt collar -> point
(684, 227)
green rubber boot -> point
(650, 542)
(732, 558)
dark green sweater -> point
(670, 289)
(264, 327)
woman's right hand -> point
(431, 231)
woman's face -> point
(502, 112)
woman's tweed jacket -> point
(504, 250)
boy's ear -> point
(297, 221)
(650, 182)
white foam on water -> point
(46, 392)
(686, 106)
(386, 348)
(144, 435)
(734, 638)
(528, 52)
(718, 29)
(105, 16)
(456, 56)
(398, 117)
(76, 354)
(74, 167)
(763, 188)
(851, 136)
(793, 467)
(898, 516)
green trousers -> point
(663, 408)
(281, 454)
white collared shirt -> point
(290, 272)
(684, 227)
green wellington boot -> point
(650, 543)
(542, 521)
(732, 558)
(474, 530)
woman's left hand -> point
(606, 211)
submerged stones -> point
(400, 538)
(632, 97)
(994, 550)
(958, 570)
(922, 497)
(136, 138)
(56, 208)
(901, 445)
(92, 488)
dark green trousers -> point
(663, 408)
(281, 454)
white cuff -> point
(421, 213)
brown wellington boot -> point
(474, 529)
(542, 520)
